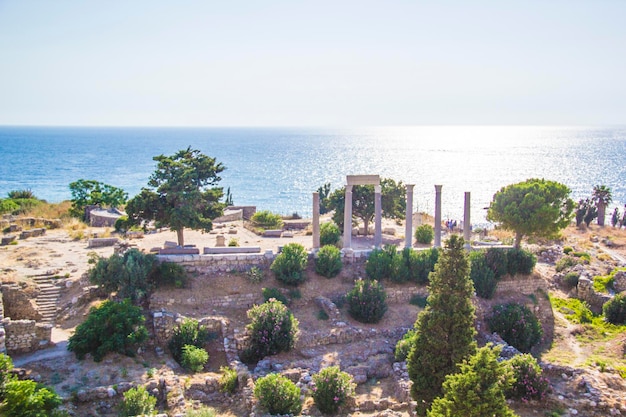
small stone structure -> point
(99, 217)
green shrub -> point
(529, 382)
(278, 395)
(276, 294)
(425, 262)
(21, 194)
(255, 275)
(8, 206)
(194, 358)
(233, 242)
(584, 256)
(189, 332)
(6, 365)
(328, 261)
(332, 388)
(111, 327)
(169, 274)
(615, 309)
(228, 380)
(482, 276)
(367, 301)
(565, 263)
(29, 399)
(571, 279)
(496, 259)
(272, 329)
(520, 261)
(267, 220)
(122, 224)
(203, 411)
(424, 234)
(289, 265)
(604, 284)
(329, 234)
(517, 325)
(134, 274)
(404, 345)
(567, 250)
(137, 401)
(379, 265)
(418, 300)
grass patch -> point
(603, 284)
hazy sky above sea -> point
(312, 63)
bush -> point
(134, 274)
(418, 300)
(520, 261)
(482, 276)
(233, 242)
(529, 382)
(21, 194)
(332, 389)
(189, 332)
(28, 399)
(228, 380)
(272, 329)
(122, 224)
(565, 263)
(567, 250)
(329, 234)
(517, 325)
(6, 365)
(169, 274)
(404, 345)
(137, 401)
(425, 261)
(571, 279)
(112, 327)
(194, 358)
(615, 309)
(424, 234)
(269, 293)
(328, 262)
(267, 220)
(604, 284)
(367, 301)
(255, 275)
(379, 264)
(496, 259)
(289, 265)
(278, 395)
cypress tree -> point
(445, 328)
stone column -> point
(316, 221)
(347, 219)
(378, 228)
(466, 221)
(438, 216)
(408, 230)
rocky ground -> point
(579, 387)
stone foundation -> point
(23, 336)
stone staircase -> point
(47, 299)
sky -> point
(312, 63)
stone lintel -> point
(363, 179)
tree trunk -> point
(181, 238)
(366, 225)
(518, 240)
(601, 214)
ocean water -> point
(277, 169)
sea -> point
(278, 169)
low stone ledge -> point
(100, 242)
(6, 240)
(179, 251)
(273, 233)
(232, 250)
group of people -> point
(451, 225)
(616, 221)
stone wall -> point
(209, 264)
(522, 284)
(19, 301)
(3, 348)
(24, 336)
(247, 211)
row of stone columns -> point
(347, 226)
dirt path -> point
(60, 339)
